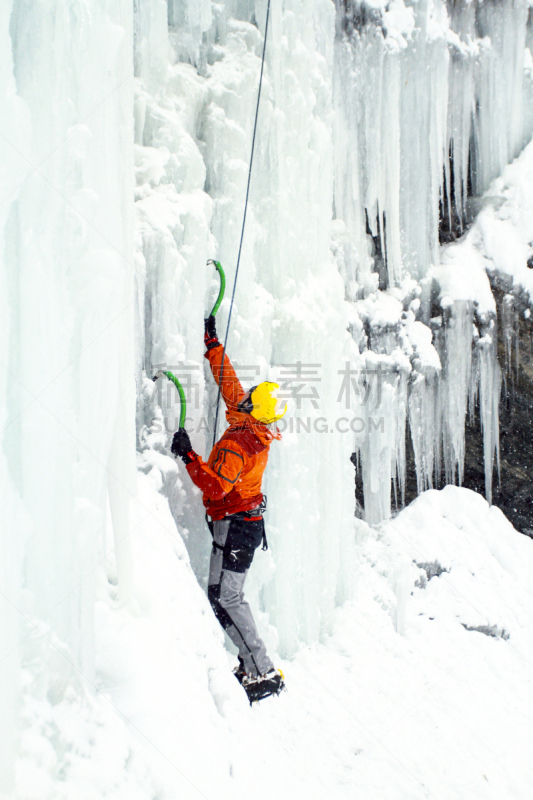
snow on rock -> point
(505, 225)
(421, 339)
(380, 310)
(462, 277)
(498, 243)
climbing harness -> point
(243, 223)
(255, 515)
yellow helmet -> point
(264, 406)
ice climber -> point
(231, 485)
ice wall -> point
(13, 170)
(361, 109)
(379, 127)
(67, 350)
(193, 143)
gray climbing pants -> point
(235, 540)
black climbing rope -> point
(243, 223)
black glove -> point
(181, 446)
(210, 336)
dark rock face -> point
(488, 630)
(513, 487)
(356, 15)
(513, 492)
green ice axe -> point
(218, 267)
(181, 393)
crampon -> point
(270, 683)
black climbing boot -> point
(264, 685)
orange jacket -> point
(231, 479)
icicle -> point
(457, 361)
(381, 438)
(424, 427)
(489, 400)
(499, 88)
(461, 106)
(436, 89)
(510, 334)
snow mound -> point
(402, 698)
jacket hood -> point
(239, 419)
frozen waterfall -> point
(390, 116)
(380, 128)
